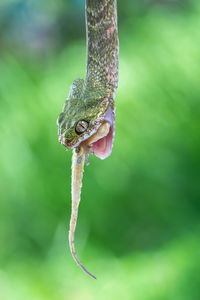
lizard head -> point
(83, 113)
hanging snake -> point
(87, 121)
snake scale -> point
(87, 121)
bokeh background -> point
(138, 227)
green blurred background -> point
(138, 227)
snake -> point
(87, 121)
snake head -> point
(84, 111)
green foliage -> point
(138, 228)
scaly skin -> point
(89, 100)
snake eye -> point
(81, 126)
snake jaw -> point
(102, 147)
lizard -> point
(87, 121)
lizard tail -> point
(78, 160)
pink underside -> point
(103, 147)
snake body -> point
(86, 123)
(102, 44)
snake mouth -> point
(102, 147)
